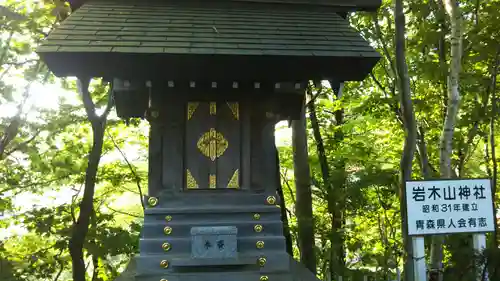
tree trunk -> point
(494, 111)
(323, 162)
(303, 194)
(424, 156)
(94, 256)
(337, 260)
(452, 106)
(95, 267)
(339, 182)
(81, 227)
(442, 48)
(325, 174)
(453, 90)
(410, 129)
(284, 216)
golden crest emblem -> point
(212, 144)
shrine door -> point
(213, 145)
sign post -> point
(479, 242)
(441, 207)
(419, 258)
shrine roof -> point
(203, 35)
(369, 5)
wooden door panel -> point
(212, 145)
(228, 165)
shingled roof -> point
(117, 38)
(345, 5)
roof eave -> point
(209, 67)
(340, 5)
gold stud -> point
(262, 261)
(167, 230)
(152, 201)
(258, 228)
(256, 216)
(260, 244)
(168, 218)
(271, 200)
(166, 246)
(163, 279)
(264, 278)
(164, 263)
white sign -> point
(449, 206)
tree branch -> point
(11, 15)
(83, 90)
(16, 122)
(422, 151)
(110, 104)
(123, 213)
(33, 184)
(6, 47)
(314, 97)
(288, 187)
(6, 154)
(396, 110)
(11, 63)
(73, 203)
(61, 264)
(132, 170)
(464, 154)
(385, 49)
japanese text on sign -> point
(449, 206)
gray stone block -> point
(208, 242)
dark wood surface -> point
(246, 131)
(171, 116)
(205, 123)
(285, 102)
(174, 149)
(229, 125)
(199, 165)
(155, 185)
(176, 128)
(342, 5)
(206, 40)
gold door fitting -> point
(166, 246)
(153, 201)
(164, 264)
(167, 230)
(271, 200)
(258, 228)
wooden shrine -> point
(212, 78)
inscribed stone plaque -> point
(214, 242)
